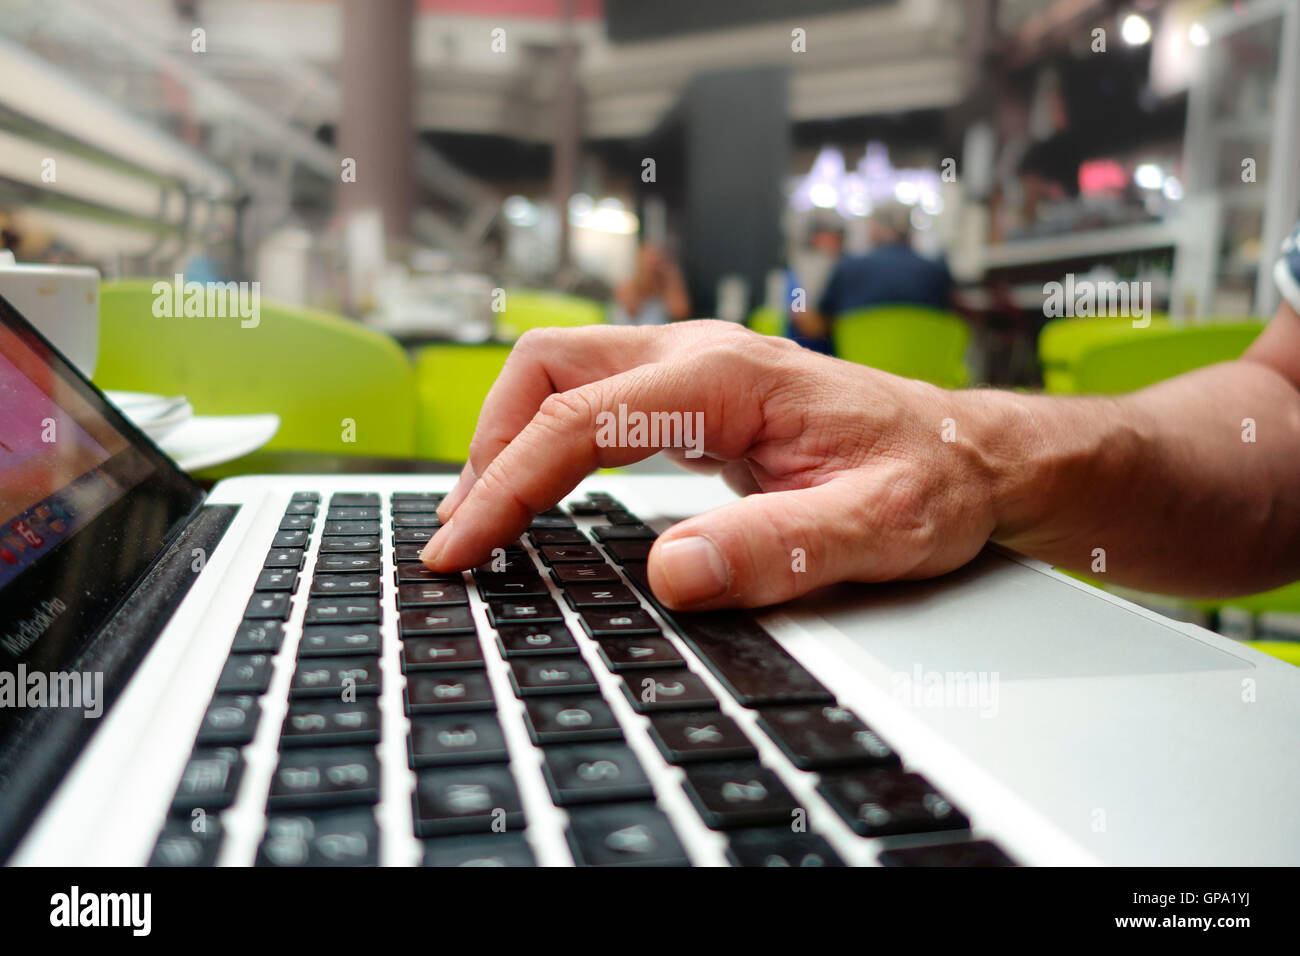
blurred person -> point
(810, 269)
(892, 273)
(858, 467)
(656, 293)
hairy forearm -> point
(1188, 487)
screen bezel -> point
(93, 570)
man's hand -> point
(872, 477)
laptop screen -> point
(86, 504)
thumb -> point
(765, 548)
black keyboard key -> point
(348, 564)
(886, 802)
(585, 509)
(268, 606)
(297, 522)
(623, 834)
(187, 842)
(465, 800)
(290, 539)
(551, 675)
(335, 676)
(696, 736)
(816, 737)
(350, 544)
(434, 496)
(491, 849)
(209, 781)
(426, 521)
(742, 794)
(254, 637)
(566, 719)
(541, 537)
(623, 532)
(524, 611)
(652, 691)
(433, 594)
(418, 536)
(511, 563)
(342, 610)
(618, 622)
(551, 520)
(586, 573)
(230, 720)
(426, 621)
(491, 586)
(780, 847)
(305, 496)
(449, 739)
(961, 853)
(639, 653)
(273, 579)
(335, 640)
(329, 838)
(324, 777)
(301, 508)
(441, 653)
(448, 692)
(599, 595)
(323, 723)
(594, 773)
(416, 505)
(617, 517)
(419, 574)
(354, 499)
(748, 661)
(521, 640)
(284, 558)
(407, 553)
(569, 553)
(245, 674)
(327, 585)
(354, 514)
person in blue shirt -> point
(892, 273)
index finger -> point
(594, 425)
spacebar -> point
(741, 654)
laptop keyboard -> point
(564, 623)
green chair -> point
(338, 387)
(907, 340)
(451, 383)
(766, 320)
(527, 309)
(1138, 361)
(1062, 341)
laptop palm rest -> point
(997, 616)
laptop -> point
(266, 675)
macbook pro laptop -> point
(267, 675)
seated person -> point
(892, 273)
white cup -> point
(62, 302)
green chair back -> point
(1062, 341)
(451, 382)
(766, 320)
(527, 309)
(338, 387)
(912, 341)
(1138, 361)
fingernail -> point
(458, 493)
(693, 569)
(434, 547)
